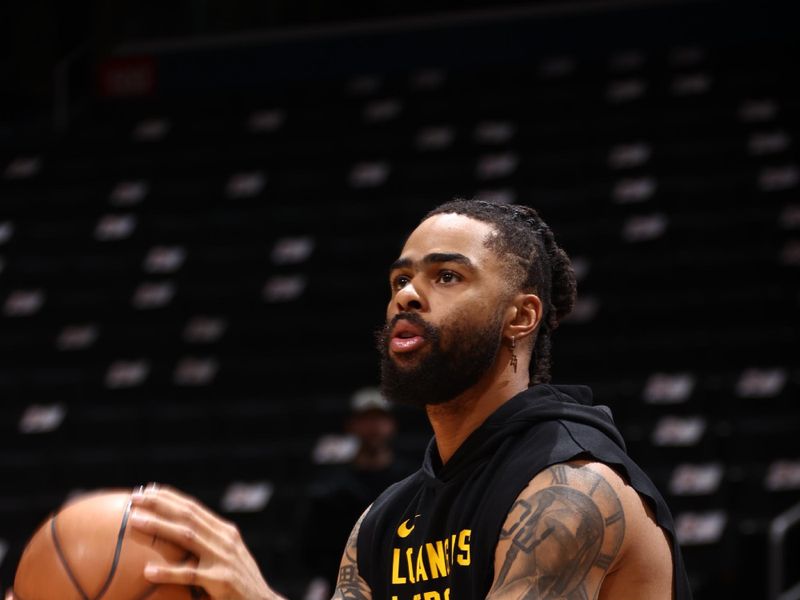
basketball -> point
(87, 550)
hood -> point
(542, 402)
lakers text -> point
(430, 561)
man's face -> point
(444, 320)
(374, 428)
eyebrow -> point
(434, 258)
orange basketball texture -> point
(87, 550)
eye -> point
(400, 281)
(448, 277)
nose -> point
(408, 298)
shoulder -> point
(573, 526)
(349, 583)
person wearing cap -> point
(339, 493)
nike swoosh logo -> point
(404, 530)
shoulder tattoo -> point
(560, 538)
(349, 584)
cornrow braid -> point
(537, 264)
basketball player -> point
(526, 490)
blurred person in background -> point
(340, 493)
(526, 490)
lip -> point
(406, 337)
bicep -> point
(562, 536)
(349, 584)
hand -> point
(225, 569)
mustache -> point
(382, 334)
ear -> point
(526, 313)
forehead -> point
(450, 233)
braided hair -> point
(535, 263)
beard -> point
(444, 371)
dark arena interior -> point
(199, 202)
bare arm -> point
(563, 535)
(350, 585)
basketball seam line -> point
(194, 592)
(117, 551)
(63, 559)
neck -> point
(455, 420)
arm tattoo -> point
(350, 585)
(560, 541)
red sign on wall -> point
(128, 77)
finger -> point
(183, 575)
(175, 507)
(156, 497)
(198, 579)
(163, 492)
(180, 534)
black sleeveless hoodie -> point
(432, 536)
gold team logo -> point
(404, 530)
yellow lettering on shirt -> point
(464, 557)
(437, 559)
(396, 579)
(430, 595)
(432, 560)
(410, 561)
(421, 574)
(447, 554)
